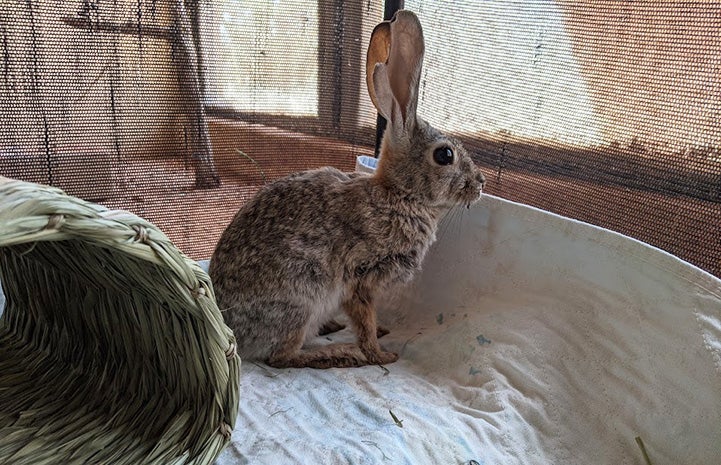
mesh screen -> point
(178, 110)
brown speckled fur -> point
(321, 241)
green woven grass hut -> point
(112, 349)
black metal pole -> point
(391, 6)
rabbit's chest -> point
(325, 306)
(396, 252)
(388, 267)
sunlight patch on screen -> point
(503, 67)
(263, 56)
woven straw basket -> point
(112, 349)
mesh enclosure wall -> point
(178, 110)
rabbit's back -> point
(279, 264)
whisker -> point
(445, 223)
(450, 221)
(459, 223)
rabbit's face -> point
(446, 171)
(416, 160)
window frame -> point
(340, 78)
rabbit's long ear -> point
(378, 51)
(393, 68)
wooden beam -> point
(185, 54)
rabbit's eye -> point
(443, 156)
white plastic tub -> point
(527, 339)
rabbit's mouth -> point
(463, 198)
(468, 188)
(463, 191)
(471, 192)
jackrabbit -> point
(321, 241)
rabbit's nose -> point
(481, 179)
